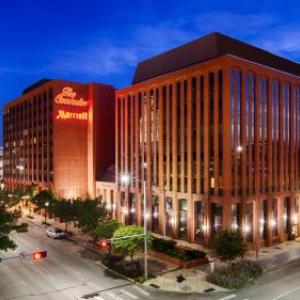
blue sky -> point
(102, 41)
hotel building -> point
(213, 127)
(59, 134)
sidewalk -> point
(277, 255)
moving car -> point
(55, 233)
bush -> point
(168, 247)
(229, 245)
(195, 254)
(162, 245)
(236, 275)
(106, 229)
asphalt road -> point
(68, 274)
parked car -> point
(55, 233)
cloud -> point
(282, 40)
(5, 70)
(115, 56)
(236, 23)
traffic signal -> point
(39, 255)
(104, 244)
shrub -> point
(168, 247)
(195, 254)
(229, 245)
(236, 275)
(106, 229)
(162, 245)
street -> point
(68, 273)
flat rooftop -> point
(206, 48)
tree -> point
(229, 245)
(8, 223)
(30, 193)
(89, 214)
(106, 229)
(42, 198)
(31, 190)
(65, 210)
(129, 246)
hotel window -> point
(235, 216)
(274, 218)
(164, 95)
(132, 209)
(287, 216)
(169, 216)
(263, 219)
(183, 215)
(199, 221)
(216, 217)
(248, 222)
(155, 214)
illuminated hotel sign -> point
(68, 97)
(67, 115)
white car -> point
(55, 233)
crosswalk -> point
(132, 292)
(231, 297)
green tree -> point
(229, 244)
(89, 214)
(65, 210)
(106, 229)
(9, 223)
(30, 193)
(130, 246)
(42, 198)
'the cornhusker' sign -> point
(68, 97)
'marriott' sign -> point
(68, 97)
(67, 115)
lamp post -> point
(125, 178)
(46, 206)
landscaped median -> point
(167, 250)
(235, 275)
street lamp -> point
(46, 206)
(125, 179)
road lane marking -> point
(141, 290)
(228, 297)
(114, 296)
(129, 294)
(286, 293)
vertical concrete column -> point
(198, 137)
(148, 158)
(280, 219)
(162, 213)
(190, 206)
(227, 161)
(139, 208)
(256, 223)
(206, 197)
(216, 92)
